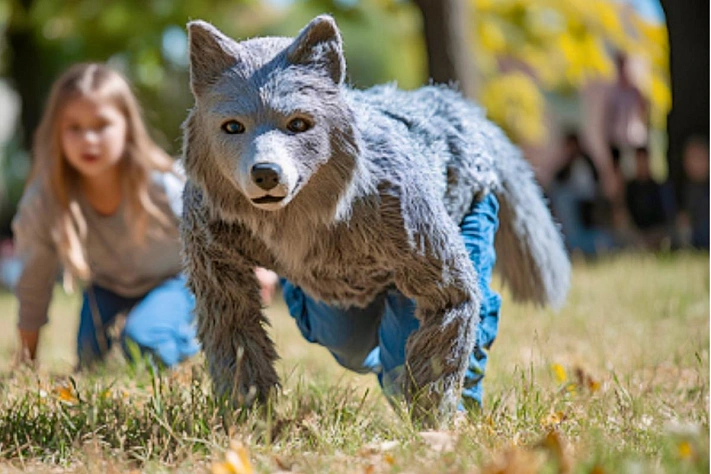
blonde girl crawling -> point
(103, 202)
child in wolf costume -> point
(378, 207)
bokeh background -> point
(545, 71)
(622, 373)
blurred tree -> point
(445, 25)
(24, 74)
(688, 23)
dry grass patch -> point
(616, 382)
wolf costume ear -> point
(319, 44)
(211, 52)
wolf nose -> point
(266, 175)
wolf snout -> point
(266, 175)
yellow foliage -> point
(515, 102)
(652, 45)
(585, 56)
(492, 38)
(564, 43)
(484, 5)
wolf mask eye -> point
(233, 127)
(298, 125)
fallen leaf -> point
(283, 465)
(685, 450)
(221, 468)
(66, 394)
(586, 380)
(236, 461)
(560, 375)
(553, 419)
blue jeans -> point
(373, 339)
(160, 323)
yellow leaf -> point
(553, 419)
(685, 450)
(66, 394)
(236, 461)
(560, 375)
(222, 468)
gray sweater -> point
(117, 263)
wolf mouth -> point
(268, 199)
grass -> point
(618, 381)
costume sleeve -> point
(38, 259)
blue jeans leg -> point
(398, 323)
(478, 231)
(161, 323)
(99, 309)
(350, 334)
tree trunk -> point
(446, 28)
(26, 71)
(688, 24)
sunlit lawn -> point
(618, 381)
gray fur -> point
(372, 197)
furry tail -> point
(530, 251)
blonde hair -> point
(50, 166)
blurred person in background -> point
(647, 205)
(616, 123)
(626, 128)
(103, 202)
(626, 114)
(577, 202)
(693, 219)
